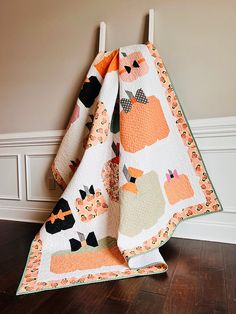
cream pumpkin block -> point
(142, 202)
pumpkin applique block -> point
(132, 66)
(91, 204)
(142, 121)
(115, 119)
(61, 218)
(109, 63)
(90, 240)
(142, 201)
(89, 91)
(110, 174)
(86, 253)
(98, 127)
(177, 187)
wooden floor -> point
(201, 279)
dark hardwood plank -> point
(5, 300)
(126, 290)
(160, 283)
(17, 248)
(212, 255)
(27, 304)
(114, 307)
(211, 289)
(122, 294)
(229, 251)
(147, 303)
(80, 299)
(13, 260)
(181, 297)
(15, 241)
(211, 309)
(12, 230)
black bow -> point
(91, 240)
(128, 68)
(61, 218)
(135, 64)
(86, 191)
(139, 97)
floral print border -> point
(58, 178)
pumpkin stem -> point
(126, 173)
(130, 94)
(81, 236)
(86, 189)
(171, 173)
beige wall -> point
(47, 46)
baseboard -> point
(207, 231)
(28, 157)
(34, 215)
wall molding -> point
(201, 128)
(230, 209)
(216, 232)
(32, 214)
(214, 127)
(216, 139)
(39, 138)
(218, 149)
(28, 174)
(18, 196)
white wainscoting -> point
(11, 186)
(26, 187)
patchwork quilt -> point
(130, 172)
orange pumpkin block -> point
(177, 187)
(141, 124)
(106, 253)
(109, 63)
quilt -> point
(130, 172)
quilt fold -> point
(130, 172)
